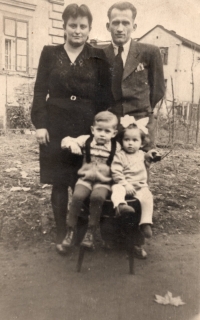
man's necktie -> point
(117, 75)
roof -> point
(185, 41)
(99, 43)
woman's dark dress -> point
(76, 92)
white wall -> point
(179, 65)
(41, 27)
(186, 60)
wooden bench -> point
(111, 229)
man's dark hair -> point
(123, 6)
(73, 11)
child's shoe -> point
(60, 249)
(139, 252)
(146, 230)
(69, 238)
(123, 208)
(88, 240)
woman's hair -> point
(144, 137)
(74, 11)
(123, 6)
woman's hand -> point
(130, 190)
(42, 136)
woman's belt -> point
(64, 102)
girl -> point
(129, 172)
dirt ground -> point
(38, 284)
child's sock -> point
(146, 230)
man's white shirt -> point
(125, 51)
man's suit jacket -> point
(143, 80)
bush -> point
(18, 118)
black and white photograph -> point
(99, 160)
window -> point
(8, 54)
(16, 44)
(164, 55)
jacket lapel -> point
(132, 59)
(109, 51)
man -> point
(137, 74)
(140, 86)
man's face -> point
(121, 25)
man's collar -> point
(126, 46)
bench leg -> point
(80, 258)
(131, 260)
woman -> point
(75, 77)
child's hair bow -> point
(141, 123)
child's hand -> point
(67, 143)
(74, 147)
(130, 190)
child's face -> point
(103, 132)
(132, 141)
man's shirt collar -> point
(125, 52)
(126, 46)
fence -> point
(180, 125)
(176, 124)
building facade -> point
(25, 27)
(181, 62)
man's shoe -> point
(69, 239)
(146, 230)
(88, 240)
(139, 252)
(123, 209)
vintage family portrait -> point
(100, 159)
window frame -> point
(165, 55)
(8, 55)
(14, 55)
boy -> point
(95, 174)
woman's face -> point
(77, 31)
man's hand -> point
(152, 156)
(42, 136)
(130, 190)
